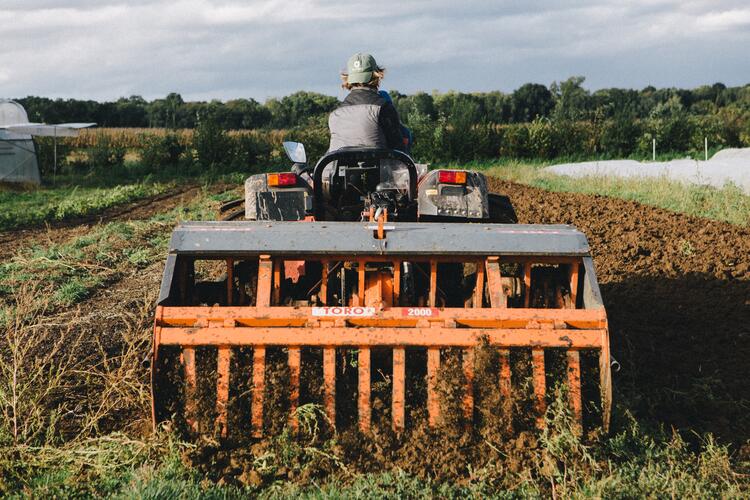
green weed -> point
(55, 204)
(74, 290)
(72, 270)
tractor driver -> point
(364, 118)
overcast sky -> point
(104, 49)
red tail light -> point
(282, 179)
(451, 177)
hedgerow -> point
(441, 139)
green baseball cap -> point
(359, 68)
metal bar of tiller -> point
(222, 388)
(433, 401)
(361, 278)
(230, 281)
(396, 283)
(468, 400)
(364, 408)
(187, 268)
(495, 284)
(605, 380)
(329, 383)
(505, 388)
(527, 284)
(574, 387)
(373, 290)
(348, 336)
(540, 383)
(433, 283)
(555, 260)
(324, 283)
(278, 266)
(265, 273)
(573, 277)
(386, 288)
(294, 361)
(577, 319)
(259, 388)
(399, 388)
(479, 289)
(191, 382)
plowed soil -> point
(677, 293)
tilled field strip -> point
(68, 266)
(13, 241)
(677, 293)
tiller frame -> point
(374, 316)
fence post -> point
(653, 150)
(705, 146)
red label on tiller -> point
(420, 312)
(336, 311)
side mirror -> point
(295, 151)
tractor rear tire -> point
(501, 209)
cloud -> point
(727, 20)
(219, 49)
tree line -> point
(564, 120)
(567, 100)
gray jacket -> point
(365, 119)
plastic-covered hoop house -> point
(18, 160)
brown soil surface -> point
(677, 293)
(12, 241)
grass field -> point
(25, 209)
(79, 196)
(75, 323)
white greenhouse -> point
(18, 162)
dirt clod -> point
(251, 478)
